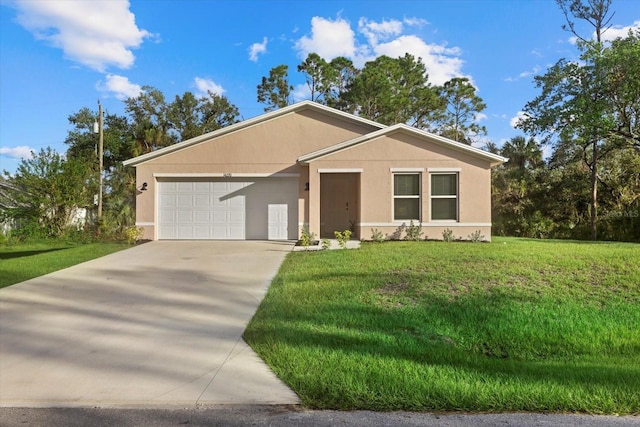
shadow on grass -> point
(368, 333)
(21, 254)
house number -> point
(227, 175)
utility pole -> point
(100, 154)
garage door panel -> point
(202, 186)
(201, 217)
(219, 217)
(168, 201)
(185, 232)
(235, 202)
(203, 230)
(167, 217)
(235, 217)
(201, 200)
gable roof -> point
(294, 108)
(494, 159)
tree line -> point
(386, 90)
(587, 115)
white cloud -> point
(517, 118)
(525, 74)
(612, 33)
(619, 31)
(376, 31)
(480, 117)
(257, 49)
(442, 63)
(95, 34)
(204, 86)
(301, 92)
(120, 87)
(415, 22)
(19, 152)
(329, 39)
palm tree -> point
(522, 154)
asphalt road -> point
(287, 416)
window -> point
(444, 196)
(406, 196)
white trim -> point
(341, 170)
(425, 224)
(225, 175)
(412, 196)
(456, 196)
(415, 170)
(443, 170)
(144, 224)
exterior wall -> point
(266, 148)
(400, 151)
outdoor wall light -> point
(144, 187)
(306, 186)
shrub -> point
(413, 232)
(377, 235)
(306, 237)
(325, 244)
(447, 235)
(133, 234)
(343, 237)
(476, 236)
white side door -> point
(278, 222)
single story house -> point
(310, 165)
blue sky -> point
(57, 56)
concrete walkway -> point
(159, 324)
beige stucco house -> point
(308, 164)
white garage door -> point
(227, 209)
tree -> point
(391, 90)
(621, 63)
(459, 113)
(573, 102)
(518, 188)
(190, 116)
(46, 191)
(319, 75)
(523, 154)
(275, 90)
(215, 112)
(182, 115)
(150, 124)
(339, 82)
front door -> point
(339, 202)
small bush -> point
(325, 244)
(133, 234)
(447, 235)
(343, 237)
(377, 235)
(413, 232)
(307, 237)
(476, 236)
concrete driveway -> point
(159, 324)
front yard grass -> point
(514, 325)
(24, 261)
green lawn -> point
(514, 325)
(23, 261)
